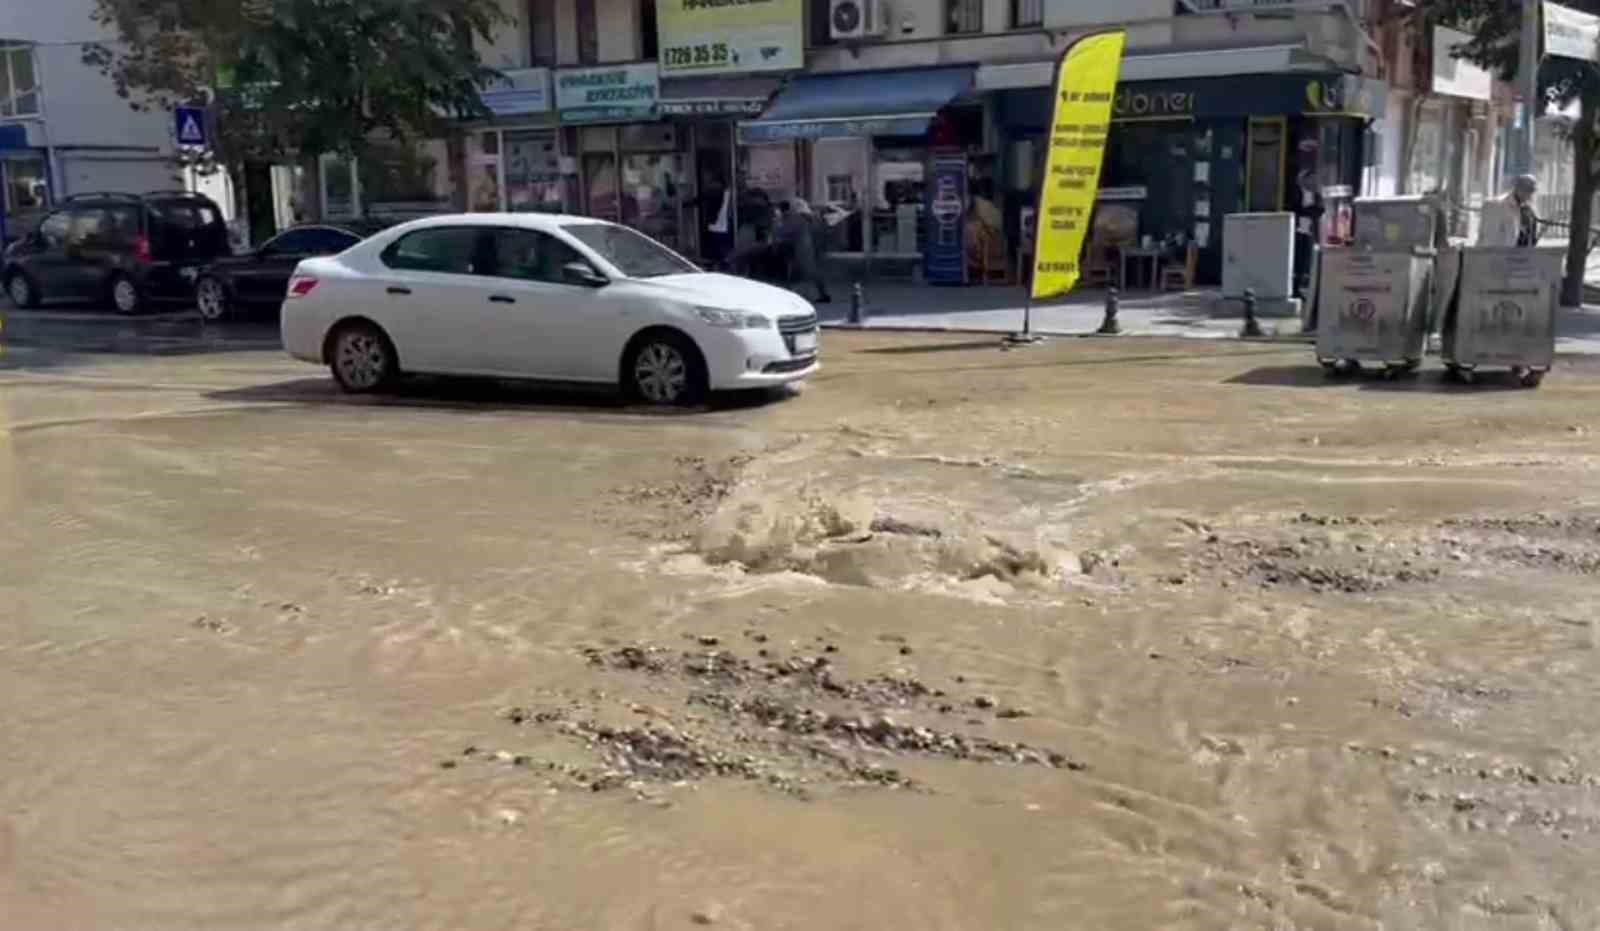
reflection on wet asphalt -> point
(1097, 634)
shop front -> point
(706, 111)
(518, 164)
(632, 166)
(1188, 152)
(861, 148)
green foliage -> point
(1494, 26)
(289, 78)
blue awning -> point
(900, 102)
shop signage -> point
(519, 92)
(609, 94)
(1080, 119)
(1571, 33)
(1311, 95)
(733, 106)
(730, 36)
(944, 258)
(1454, 76)
(833, 129)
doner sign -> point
(723, 36)
(1571, 33)
(1086, 83)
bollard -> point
(858, 305)
(1109, 326)
(1252, 328)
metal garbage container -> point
(1374, 309)
(1504, 315)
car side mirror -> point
(579, 273)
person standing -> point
(797, 236)
(1510, 220)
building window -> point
(819, 23)
(19, 88)
(1027, 14)
(588, 33)
(963, 16)
(647, 29)
(541, 33)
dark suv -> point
(127, 250)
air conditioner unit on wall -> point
(857, 19)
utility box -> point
(1258, 255)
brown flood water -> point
(1097, 635)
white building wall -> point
(618, 22)
(509, 46)
(97, 141)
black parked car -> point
(258, 280)
(127, 250)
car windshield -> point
(634, 254)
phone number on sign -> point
(689, 56)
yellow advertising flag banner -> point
(1086, 83)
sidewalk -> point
(1193, 314)
(900, 305)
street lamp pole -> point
(1528, 88)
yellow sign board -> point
(730, 36)
(1086, 84)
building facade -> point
(689, 118)
(63, 129)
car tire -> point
(664, 367)
(362, 358)
(124, 295)
(211, 299)
(22, 291)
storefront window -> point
(26, 193)
(399, 178)
(769, 176)
(897, 199)
(534, 182)
(338, 187)
(483, 171)
(838, 188)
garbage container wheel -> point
(1397, 369)
(1528, 378)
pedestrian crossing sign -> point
(191, 125)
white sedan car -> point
(547, 297)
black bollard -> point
(1109, 326)
(1252, 327)
(858, 305)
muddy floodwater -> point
(1096, 635)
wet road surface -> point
(1098, 634)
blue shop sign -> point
(945, 256)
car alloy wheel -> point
(361, 359)
(211, 300)
(661, 373)
(124, 295)
(21, 291)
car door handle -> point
(399, 290)
(501, 299)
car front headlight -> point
(732, 319)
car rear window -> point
(190, 229)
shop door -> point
(600, 171)
(533, 173)
(1268, 149)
